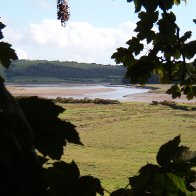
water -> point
(119, 92)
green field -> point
(119, 139)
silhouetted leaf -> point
(138, 5)
(6, 54)
(122, 192)
(194, 20)
(119, 56)
(1, 27)
(140, 184)
(190, 49)
(150, 6)
(165, 26)
(140, 71)
(144, 26)
(89, 186)
(167, 152)
(135, 46)
(50, 132)
(62, 178)
(167, 4)
(186, 36)
(124, 56)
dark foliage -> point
(50, 132)
(173, 176)
(166, 51)
(29, 125)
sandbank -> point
(147, 97)
(53, 91)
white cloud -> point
(78, 41)
(21, 53)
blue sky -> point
(96, 28)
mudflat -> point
(147, 97)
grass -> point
(119, 139)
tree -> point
(162, 51)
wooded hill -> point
(55, 71)
(42, 71)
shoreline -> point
(61, 91)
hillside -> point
(43, 71)
(23, 71)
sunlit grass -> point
(120, 138)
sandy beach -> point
(61, 92)
(53, 91)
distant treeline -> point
(23, 71)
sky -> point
(95, 29)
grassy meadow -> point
(119, 139)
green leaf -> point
(6, 54)
(175, 91)
(167, 184)
(176, 182)
(189, 91)
(50, 132)
(177, 2)
(176, 52)
(178, 71)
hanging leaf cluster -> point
(159, 49)
(63, 13)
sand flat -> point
(62, 92)
(53, 91)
